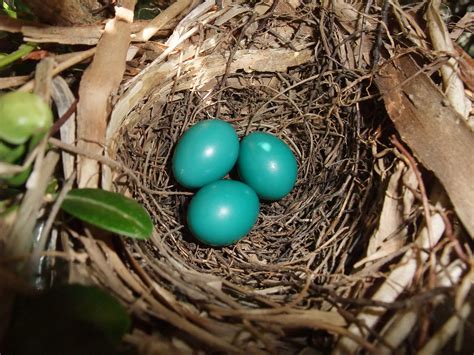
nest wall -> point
(305, 241)
(292, 283)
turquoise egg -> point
(222, 212)
(267, 165)
(205, 153)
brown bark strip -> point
(466, 67)
(87, 35)
(100, 79)
(437, 135)
(12, 25)
(84, 34)
(10, 82)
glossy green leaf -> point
(23, 116)
(19, 178)
(11, 153)
(71, 319)
(110, 211)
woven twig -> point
(319, 263)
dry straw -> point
(358, 257)
(349, 245)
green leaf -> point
(18, 179)
(94, 306)
(23, 116)
(10, 13)
(70, 319)
(110, 211)
(23, 50)
(11, 153)
(53, 186)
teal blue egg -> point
(205, 153)
(222, 212)
(268, 165)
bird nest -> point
(316, 270)
(312, 228)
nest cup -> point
(292, 235)
(276, 289)
(299, 242)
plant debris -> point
(367, 253)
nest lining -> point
(309, 231)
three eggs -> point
(223, 211)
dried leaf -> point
(12, 25)
(451, 327)
(19, 241)
(466, 67)
(110, 278)
(10, 82)
(462, 25)
(311, 318)
(392, 216)
(409, 25)
(86, 35)
(442, 42)
(400, 326)
(63, 99)
(433, 130)
(348, 14)
(396, 282)
(72, 59)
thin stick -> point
(424, 198)
(62, 120)
(161, 20)
(79, 57)
(111, 163)
(378, 40)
